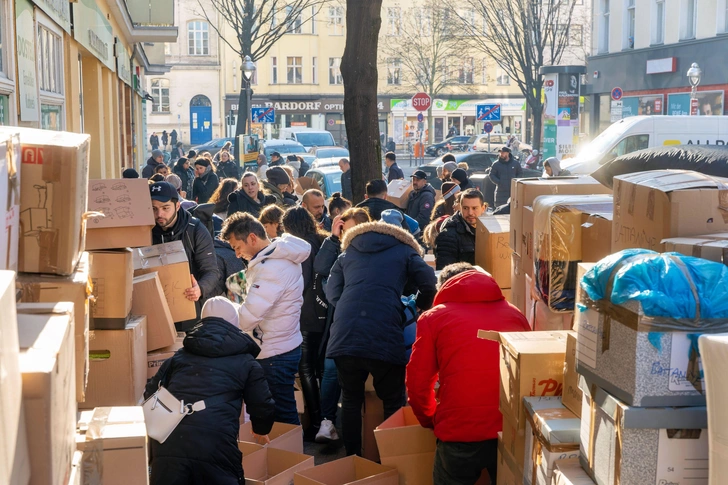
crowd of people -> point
(293, 284)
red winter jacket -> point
(469, 367)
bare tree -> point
(521, 36)
(258, 25)
(359, 71)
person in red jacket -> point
(467, 420)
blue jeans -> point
(330, 391)
(280, 372)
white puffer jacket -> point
(271, 312)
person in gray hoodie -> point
(552, 168)
(501, 174)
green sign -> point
(4, 110)
(94, 32)
(549, 140)
(27, 81)
(51, 117)
(58, 10)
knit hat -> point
(130, 173)
(392, 216)
(450, 167)
(277, 176)
(221, 307)
(157, 153)
(174, 180)
(449, 189)
(460, 175)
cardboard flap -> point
(124, 203)
(306, 183)
(349, 470)
(671, 180)
(517, 343)
(490, 335)
(159, 255)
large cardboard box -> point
(148, 299)
(538, 314)
(659, 204)
(569, 472)
(155, 360)
(492, 252)
(405, 445)
(351, 470)
(508, 471)
(170, 262)
(372, 416)
(714, 351)
(624, 444)
(54, 189)
(271, 466)
(283, 436)
(699, 247)
(572, 394)
(513, 441)
(398, 192)
(14, 459)
(118, 371)
(120, 435)
(127, 219)
(10, 207)
(518, 284)
(112, 275)
(47, 364)
(527, 246)
(76, 289)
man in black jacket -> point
(376, 200)
(456, 241)
(154, 161)
(174, 224)
(395, 173)
(421, 199)
(313, 201)
(346, 190)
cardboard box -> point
(112, 275)
(148, 299)
(513, 441)
(127, 219)
(572, 394)
(518, 283)
(570, 472)
(699, 247)
(526, 248)
(492, 252)
(660, 204)
(118, 370)
(283, 436)
(10, 208)
(714, 351)
(624, 444)
(430, 260)
(271, 466)
(156, 358)
(405, 445)
(351, 470)
(76, 289)
(398, 192)
(170, 262)
(372, 416)
(54, 189)
(552, 433)
(508, 472)
(540, 317)
(14, 459)
(47, 364)
(305, 183)
(525, 190)
(120, 435)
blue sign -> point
(420, 117)
(488, 127)
(617, 94)
(488, 112)
(263, 115)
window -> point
(576, 35)
(394, 71)
(254, 78)
(274, 70)
(314, 70)
(2, 33)
(689, 16)
(295, 70)
(198, 38)
(467, 17)
(335, 71)
(502, 79)
(424, 20)
(160, 93)
(631, 144)
(725, 18)
(465, 72)
(294, 23)
(394, 21)
(604, 27)
(313, 20)
(50, 60)
(485, 71)
(658, 33)
(336, 20)
(628, 42)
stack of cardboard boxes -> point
(492, 250)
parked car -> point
(479, 143)
(308, 137)
(328, 179)
(287, 147)
(477, 163)
(214, 146)
(328, 156)
(457, 143)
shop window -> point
(295, 70)
(50, 60)
(394, 71)
(198, 38)
(394, 21)
(335, 71)
(160, 93)
(336, 20)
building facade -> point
(645, 48)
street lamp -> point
(247, 68)
(694, 74)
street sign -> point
(263, 115)
(615, 113)
(488, 112)
(421, 101)
(420, 117)
(488, 127)
(693, 106)
(617, 94)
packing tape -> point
(618, 425)
(30, 292)
(592, 423)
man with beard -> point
(456, 241)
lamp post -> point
(247, 68)
(694, 74)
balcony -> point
(145, 20)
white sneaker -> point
(327, 432)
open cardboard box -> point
(264, 465)
(352, 470)
(112, 274)
(398, 192)
(148, 299)
(283, 436)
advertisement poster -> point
(710, 103)
(250, 149)
(642, 105)
(550, 112)
(567, 116)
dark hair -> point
(157, 177)
(448, 208)
(448, 157)
(338, 203)
(376, 187)
(391, 156)
(299, 222)
(473, 194)
(359, 214)
(180, 163)
(271, 214)
(205, 163)
(191, 154)
(241, 225)
(220, 196)
(159, 167)
(452, 270)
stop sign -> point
(421, 101)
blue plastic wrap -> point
(665, 285)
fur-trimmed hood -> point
(396, 233)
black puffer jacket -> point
(205, 186)
(227, 262)
(376, 206)
(217, 358)
(242, 202)
(228, 169)
(148, 169)
(200, 254)
(327, 255)
(420, 205)
(315, 307)
(455, 243)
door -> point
(200, 120)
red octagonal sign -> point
(421, 101)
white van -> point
(308, 137)
(640, 132)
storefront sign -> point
(58, 10)
(320, 106)
(123, 69)
(642, 105)
(710, 103)
(461, 105)
(659, 66)
(93, 31)
(27, 81)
